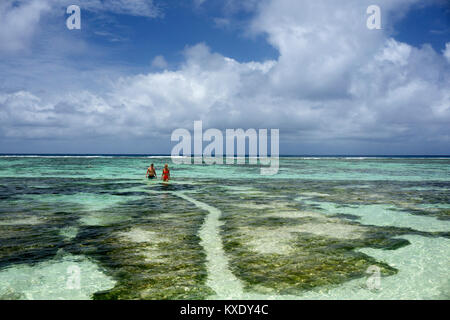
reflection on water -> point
(311, 231)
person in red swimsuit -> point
(166, 173)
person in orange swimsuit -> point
(166, 173)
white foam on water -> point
(54, 279)
(148, 239)
(89, 201)
(434, 206)
(314, 194)
(262, 206)
(332, 230)
(50, 157)
(246, 191)
(184, 182)
(22, 221)
(100, 218)
(220, 278)
(151, 254)
(69, 233)
(166, 157)
(251, 205)
(133, 189)
(293, 214)
(238, 188)
(266, 241)
(140, 235)
(93, 204)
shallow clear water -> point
(95, 228)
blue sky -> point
(183, 24)
(139, 69)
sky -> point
(139, 69)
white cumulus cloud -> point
(334, 83)
(447, 51)
(18, 23)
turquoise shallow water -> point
(95, 228)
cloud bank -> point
(335, 83)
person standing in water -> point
(165, 173)
(151, 172)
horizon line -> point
(246, 155)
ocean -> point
(93, 227)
